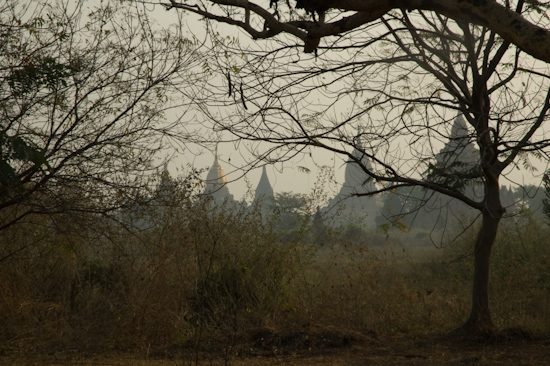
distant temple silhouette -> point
(457, 159)
(216, 182)
(347, 203)
(264, 195)
(458, 155)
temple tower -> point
(356, 181)
(459, 153)
(457, 159)
(264, 191)
(264, 195)
(216, 182)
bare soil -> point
(326, 347)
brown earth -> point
(324, 347)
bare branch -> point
(509, 24)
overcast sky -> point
(284, 177)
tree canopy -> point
(311, 20)
(83, 99)
(389, 81)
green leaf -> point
(24, 151)
(9, 181)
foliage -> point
(291, 214)
(295, 203)
(83, 99)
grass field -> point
(219, 288)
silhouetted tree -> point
(401, 78)
(310, 20)
(83, 98)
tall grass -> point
(206, 279)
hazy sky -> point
(284, 177)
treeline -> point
(418, 208)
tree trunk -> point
(480, 320)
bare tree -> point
(85, 100)
(401, 87)
(311, 20)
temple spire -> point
(216, 181)
(264, 190)
(459, 147)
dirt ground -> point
(327, 349)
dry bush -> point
(521, 275)
(208, 279)
(198, 273)
(384, 289)
(417, 289)
(53, 291)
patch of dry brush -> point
(205, 280)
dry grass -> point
(209, 284)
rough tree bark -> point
(480, 320)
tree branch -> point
(510, 25)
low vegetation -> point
(201, 281)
